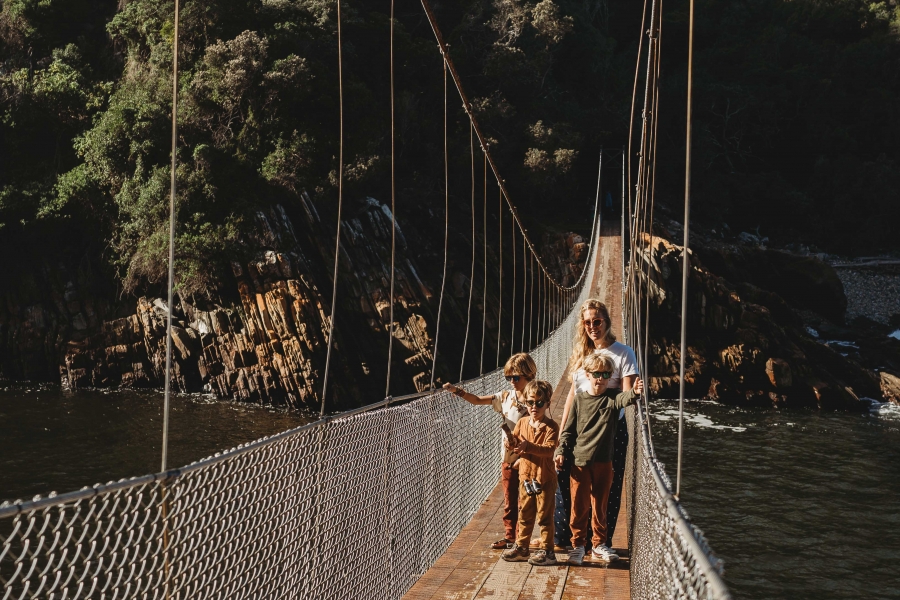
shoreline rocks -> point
(749, 345)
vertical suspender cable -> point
(524, 291)
(437, 330)
(637, 68)
(622, 241)
(512, 333)
(540, 314)
(387, 385)
(685, 262)
(484, 286)
(500, 306)
(337, 237)
(531, 297)
(462, 362)
(168, 374)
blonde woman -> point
(595, 336)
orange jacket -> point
(537, 460)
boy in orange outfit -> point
(538, 436)
(588, 435)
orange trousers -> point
(538, 507)
(590, 487)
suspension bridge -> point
(395, 499)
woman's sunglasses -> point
(513, 378)
(599, 374)
(595, 324)
(535, 403)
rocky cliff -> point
(267, 342)
(749, 339)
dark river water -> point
(56, 440)
(799, 505)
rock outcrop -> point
(748, 345)
(266, 342)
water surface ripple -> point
(54, 440)
(799, 505)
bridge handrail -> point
(395, 481)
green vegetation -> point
(796, 117)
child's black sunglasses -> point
(535, 403)
(599, 374)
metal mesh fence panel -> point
(358, 505)
(670, 557)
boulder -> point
(779, 373)
(890, 387)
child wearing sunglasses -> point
(588, 437)
(519, 370)
(538, 435)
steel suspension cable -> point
(512, 334)
(437, 330)
(467, 106)
(530, 299)
(387, 385)
(648, 224)
(462, 362)
(686, 260)
(500, 306)
(484, 286)
(337, 237)
(171, 286)
(524, 291)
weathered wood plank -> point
(545, 583)
(505, 581)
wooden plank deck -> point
(471, 570)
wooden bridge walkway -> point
(470, 569)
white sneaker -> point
(603, 552)
(576, 555)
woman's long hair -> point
(584, 345)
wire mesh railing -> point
(357, 505)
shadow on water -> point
(51, 439)
(799, 505)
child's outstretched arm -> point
(470, 398)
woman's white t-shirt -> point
(624, 364)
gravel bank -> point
(872, 292)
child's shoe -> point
(603, 552)
(515, 554)
(503, 544)
(576, 556)
(542, 558)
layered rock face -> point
(270, 347)
(748, 345)
(268, 342)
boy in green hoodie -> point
(588, 435)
